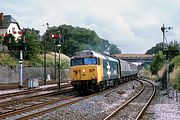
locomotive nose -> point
(84, 73)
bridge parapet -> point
(135, 57)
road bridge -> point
(139, 58)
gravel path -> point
(166, 107)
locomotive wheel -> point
(83, 92)
(116, 82)
(93, 88)
(100, 86)
(104, 85)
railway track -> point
(17, 107)
(68, 102)
(38, 107)
(135, 106)
(9, 86)
(27, 98)
(30, 91)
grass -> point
(175, 79)
(7, 59)
(50, 57)
(174, 69)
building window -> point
(13, 30)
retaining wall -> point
(11, 74)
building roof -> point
(7, 20)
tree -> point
(174, 49)
(32, 43)
(155, 49)
(70, 47)
(114, 49)
(9, 39)
(33, 46)
(86, 39)
(157, 62)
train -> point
(91, 71)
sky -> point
(132, 25)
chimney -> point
(1, 18)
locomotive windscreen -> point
(83, 61)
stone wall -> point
(11, 74)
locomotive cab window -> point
(88, 61)
(83, 61)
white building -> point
(8, 25)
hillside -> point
(9, 60)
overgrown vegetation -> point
(157, 62)
(175, 69)
(174, 62)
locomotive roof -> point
(86, 53)
(90, 53)
(111, 59)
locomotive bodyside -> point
(111, 71)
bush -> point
(157, 62)
(176, 81)
(175, 63)
(176, 60)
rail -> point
(131, 99)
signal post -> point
(57, 42)
(13, 45)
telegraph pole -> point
(59, 65)
(55, 62)
(59, 59)
(45, 51)
(165, 47)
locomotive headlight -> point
(83, 70)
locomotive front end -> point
(85, 71)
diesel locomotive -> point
(91, 71)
